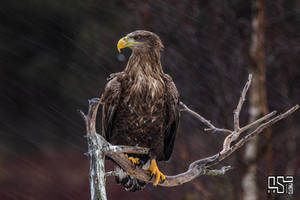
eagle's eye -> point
(136, 37)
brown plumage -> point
(141, 105)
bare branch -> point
(258, 130)
(203, 120)
(112, 173)
(125, 149)
(96, 156)
(98, 148)
(256, 122)
(216, 172)
(240, 104)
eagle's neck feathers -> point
(145, 72)
(144, 61)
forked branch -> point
(99, 147)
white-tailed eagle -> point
(141, 106)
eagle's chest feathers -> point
(145, 94)
(144, 84)
(146, 87)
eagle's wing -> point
(172, 116)
(110, 100)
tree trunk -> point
(258, 100)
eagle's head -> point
(140, 40)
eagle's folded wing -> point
(110, 100)
(172, 116)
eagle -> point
(141, 107)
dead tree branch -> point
(98, 148)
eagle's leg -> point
(134, 161)
(155, 172)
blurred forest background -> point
(55, 55)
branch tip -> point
(94, 101)
(112, 173)
(81, 113)
(224, 169)
(250, 77)
(215, 172)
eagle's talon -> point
(162, 180)
(135, 161)
(151, 176)
(154, 171)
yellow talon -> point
(133, 160)
(155, 171)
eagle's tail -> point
(129, 182)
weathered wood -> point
(98, 148)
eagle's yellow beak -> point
(125, 42)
